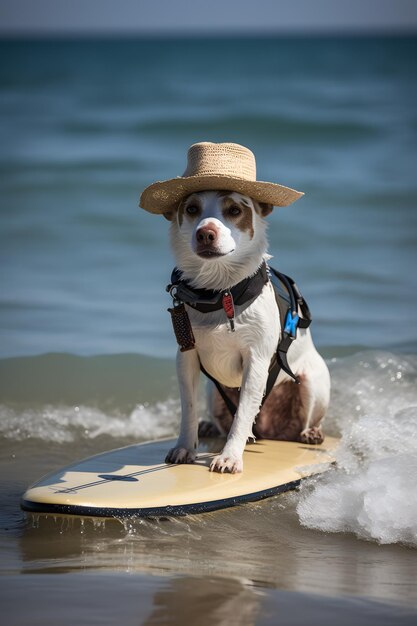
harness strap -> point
(289, 301)
(290, 322)
(279, 362)
(208, 300)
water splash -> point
(372, 491)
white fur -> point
(241, 358)
(224, 272)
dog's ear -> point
(169, 215)
(265, 208)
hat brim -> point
(164, 196)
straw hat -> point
(222, 166)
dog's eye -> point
(191, 210)
(234, 210)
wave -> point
(68, 424)
(371, 492)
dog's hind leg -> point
(207, 428)
(313, 403)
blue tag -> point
(291, 324)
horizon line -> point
(75, 33)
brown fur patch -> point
(191, 200)
(243, 221)
(169, 215)
(263, 208)
(279, 418)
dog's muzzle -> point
(207, 238)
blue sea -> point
(86, 346)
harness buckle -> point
(173, 290)
(291, 324)
(229, 309)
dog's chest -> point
(220, 353)
(223, 352)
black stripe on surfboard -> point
(150, 470)
(162, 511)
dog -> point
(218, 238)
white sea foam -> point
(66, 424)
(372, 492)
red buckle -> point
(229, 308)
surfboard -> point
(132, 481)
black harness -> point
(208, 300)
(289, 301)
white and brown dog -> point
(219, 239)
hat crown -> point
(221, 159)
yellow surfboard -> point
(132, 481)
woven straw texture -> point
(220, 166)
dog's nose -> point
(206, 235)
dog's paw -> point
(227, 463)
(180, 455)
(208, 429)
(312, 436)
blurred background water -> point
(86, 344)
(88, 124)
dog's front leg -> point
(188, 371)
(255, 375)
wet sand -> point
(180, 600)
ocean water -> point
(87, 125)
(86, 347)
